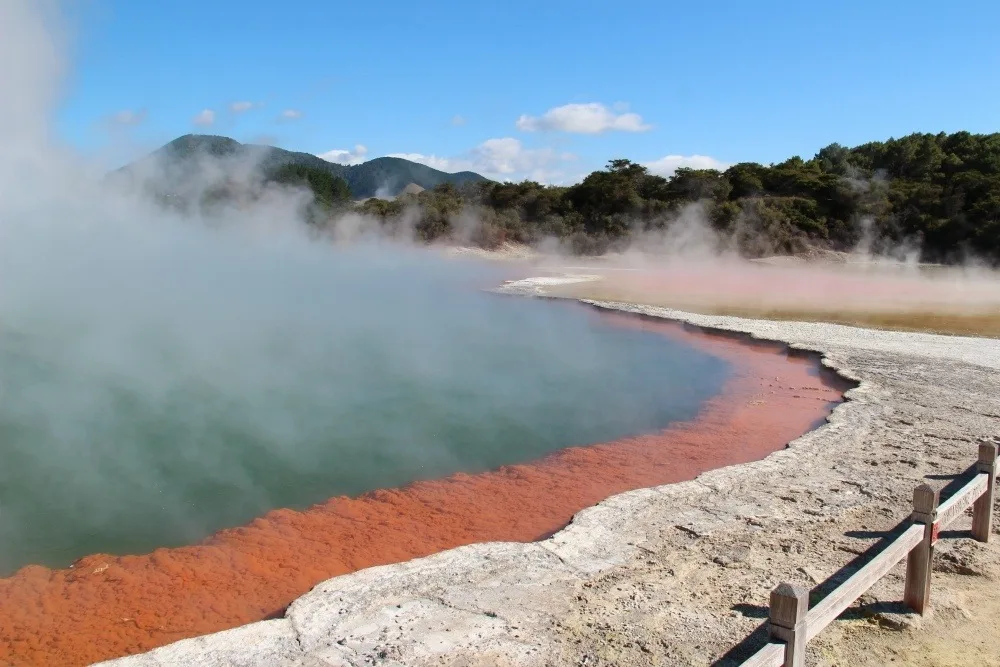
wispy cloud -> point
(503, 158)
(344, 156)
(290, 114)
(458, 121)
(204, 118)
(590, 118)
(668, 164)
(442, 163)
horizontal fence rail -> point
(955, 506)
(791, 624)
(772, 655)
(842, 597)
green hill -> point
(183, 159)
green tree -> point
(943, 189)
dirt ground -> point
(964, 621)
(959, 630)
(983, 323)
(932, 300)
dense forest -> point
(939, 193)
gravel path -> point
(680, 574)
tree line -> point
(939, 193)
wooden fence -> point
(790, 621)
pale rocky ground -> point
(507, 252)
(680, 574)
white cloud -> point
(128, 117)
(509, 156)
(501, 159)
(290, 114)
(458, 121)
(342, 156)
(442, 163)
(667, 165)
(240, 107)
(204, 118)
(591, 118)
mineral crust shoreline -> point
(106, 606)
(677, 574)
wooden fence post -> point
(787, 621)
(917, 590)
(982, 509)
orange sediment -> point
(108, 606)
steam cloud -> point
(109, 303)
(215, 333)
(110, 306)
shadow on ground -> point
(874, 611)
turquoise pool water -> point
(153, 408)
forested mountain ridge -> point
(384, 175)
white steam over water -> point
(161, 378)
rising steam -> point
(138, 344)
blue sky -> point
(550, 89)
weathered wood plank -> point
(843, 596)
(955, 506)
(920, 560)
(772, 655)
(786, 621)
(982, 509)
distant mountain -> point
(185, 156)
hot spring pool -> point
(153, 403)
